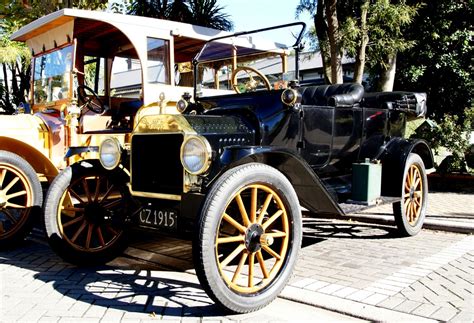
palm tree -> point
(152, 8)
(208, 14)
(198, 12)
(11, 53)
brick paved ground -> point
(345, 263)
(429, 275)
(36, 286)
(455, 207)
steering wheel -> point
(91, 99)
(251, 84)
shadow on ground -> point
(316, 230)
(149, 278)
(142, 290)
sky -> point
(255, 14)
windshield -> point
(248, 61)
(52, 75)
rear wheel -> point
(20, 198)
(410, 212)
(249, 237)
(85, 210)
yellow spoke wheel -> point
(252, 241)
(410, 211)
(413, 194)
(20, 193)
(249, 237)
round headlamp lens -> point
(289, 96)
(195, 155)
(181, 105)
(109, 153)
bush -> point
(452, 134)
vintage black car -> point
(233, 171)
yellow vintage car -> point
(94, 75)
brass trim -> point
(161, 196)
(295, 93)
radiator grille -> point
(156, 165)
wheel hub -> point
(252, 237)
(412, 193)
(96, 214)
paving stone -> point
(343, 292)
(407, 306)
(375, 299)
(303, 282)
(331, 288)
(48, 319)
(359, 295)
(316, 285)
(95, 311)
(425, 310)
(381, 291)
(391, 302)
(444, 314)
(463, 317)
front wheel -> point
(410, 212)
(249, 237)
(84, 211)
(20, 198)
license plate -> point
(167, 218)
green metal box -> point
(366, 182)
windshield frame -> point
(69, 70)
(296, 46)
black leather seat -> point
(338, 95)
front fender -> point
(311, 192)
(394, 158)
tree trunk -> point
(24, 73)
(364, 40)
(333, 35)
(387, 74)
(15, 91)
(322, 34)
(8, 104)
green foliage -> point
(386, 22)
(452, 133)
(440, 62)
(11, 51)
(208, 14)
(205, 13)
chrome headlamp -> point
(181, 105)
(196, 155)
(110, 152)
(290, 97)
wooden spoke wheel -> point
(413, 194)
(249, 237)
(252, 240)
(20, 193)
(85, 214)
(85, 211)
(410, 212)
